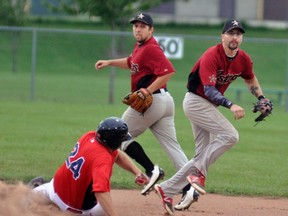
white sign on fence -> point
(171, 46)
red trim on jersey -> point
(216, 69)
(96, 164)
(148, 59)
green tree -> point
(13, 13)
(112, 12)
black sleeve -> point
(216, 97)
(145, 81)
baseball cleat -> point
(166, 201)
(188, 198)
(156, 175)
(36, 182)
(197, 180)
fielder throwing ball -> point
(150, 104)
(212, 74)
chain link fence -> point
(58, 64)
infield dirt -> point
(19, 200)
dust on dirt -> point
(18, 199)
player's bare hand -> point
(101, 64)
(141, 179)
(238, 111)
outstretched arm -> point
(121, 63)
(124, 162)
(216, 97)
(254, 87)
(105, 200)
(263, 105)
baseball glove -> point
(264, 106)
(139, 100)
(142, 179)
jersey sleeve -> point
(248, 71)
(158, 62)
(129, 61)
(102, 172)
(208, 69)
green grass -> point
(69, 53)
(255, 160)
(71, 97)
(37, 136)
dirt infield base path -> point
(131, 203)
(20, 200)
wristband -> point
(227, 103)
(261, 97)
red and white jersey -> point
(147, 62)
(216, 69)
(87, 169)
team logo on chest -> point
(134, 68)
(225, 78)
(212, 78)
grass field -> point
(71, 98)
(37, 136)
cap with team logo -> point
(232, 24)
(143, 17)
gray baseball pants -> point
(213, 136)
(159, 118)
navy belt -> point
(159, 91)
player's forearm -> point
(254, 87)
(105, 200)
(159, 82)
(121, 63)
(125, 163)
(216, 97)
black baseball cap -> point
(232, 24)
(144, 18)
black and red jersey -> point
(147, 62)
(216, 69)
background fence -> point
(35, 61)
